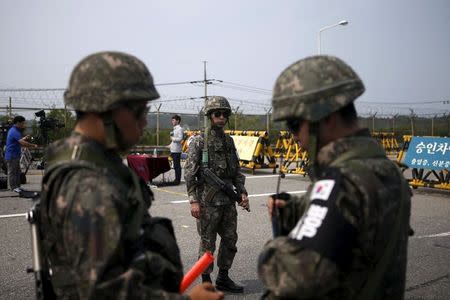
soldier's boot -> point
(224, 283)
(206, 278)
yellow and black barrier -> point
(295, 158)
(254, 149)
(284, 141)
(187, 135)
(388, 141)
(429, 161)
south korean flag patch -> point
(322, 189)
(323, 228)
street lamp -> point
(341, 23)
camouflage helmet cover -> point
(313, 88)
(215, 103)
(103, 80)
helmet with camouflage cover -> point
(103, 80)
(216, 103)
(313, 88)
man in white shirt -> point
(175, 147)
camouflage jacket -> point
(341, 226)
(97, 235)
(223, 161)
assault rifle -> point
(219, 184)
(44, 289)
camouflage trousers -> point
(220, 220)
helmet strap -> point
(313, 148)
(111, 131)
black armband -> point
(323, 228)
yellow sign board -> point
(245, 146)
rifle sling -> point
(374, 278)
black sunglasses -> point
(219, 113)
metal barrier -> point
(263, 155)
(437, 177)
(388, 141)
(187, 135)
(295, 159)
(260, 152)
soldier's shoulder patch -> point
(322, 189)
(326, 187)
(323, 228)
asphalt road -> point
(428, 275)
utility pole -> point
(205, 156)
(448, 123)
(205, 81)
(412, 121)
(10, 107)
(65, 115)
(432, 125)
(236, 111)
(268, 118)
(157, 124)
(199, 109)
(393, 123)
(373, 122)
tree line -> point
(399, 125)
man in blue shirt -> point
(14, 143)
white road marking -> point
(268, 194)
(179, 201)
(13, 216)
(269, 176)
(432, 235)
(250, 196)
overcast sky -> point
(401, 49)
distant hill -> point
(189, 122)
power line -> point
(176, 99)
(33, 90)
(247, 86)
(243, 89)
(407, 103)
(243, 101)
(209, 81)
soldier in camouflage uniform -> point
(214, 210)
(346, 238)
(99, 239)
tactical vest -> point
(223, 162)
(222, 156)
(133, 211)
(353, 165)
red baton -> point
(196, 270)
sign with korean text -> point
(428, 153)
(245, 146)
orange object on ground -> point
(196, 271)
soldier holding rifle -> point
(215, 183)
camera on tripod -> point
(4, 128)
(48, 123)
(45, 125)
